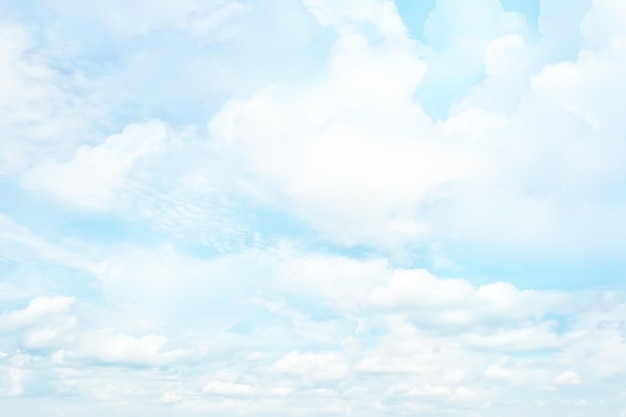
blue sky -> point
(313, 208)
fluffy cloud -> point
(298, 215)
(95, 174)
(46, 111)
(394, 347)
(455, 302)
(555, 140)
(108, 347)
(38, 309)
(315, 366)
(319, 150)
(324, 151)
(567, 378)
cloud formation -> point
(241, 208)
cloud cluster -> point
(245, 208)
(407, 338)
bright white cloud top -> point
(313, 208)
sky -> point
(319, 208)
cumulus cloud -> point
(94, 175)
(568, 378)
(38, 309)
(51, 335)
(554, 116)
(109, 347)
(325, 150)
(374, 353)
(456, 302)
(256, 209)
(316, 366)
(319, 150)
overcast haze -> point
(313, 208)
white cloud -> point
(321, 149)
(45, 111)
(568, 378)
(38, 310)
(346, 13)
(95, 174)
(530, 161)
(15, 375)
(339, 282)
(475, 123)
(601, 26)
(50, 335)
(229, 389)
(500, 55)
(392, 356)
(126, 20)
(458, 35)
(526, 337)
(312, 366)
(109, 347)
(21, 245)
(166, 282)
(324, 150)
(456, 302)
(420, 288)
(553, 131)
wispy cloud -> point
(309, 208)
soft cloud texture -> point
(95, 175)
(245, 208)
